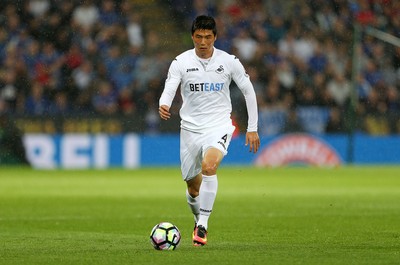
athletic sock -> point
(208, 192)
(194, 205)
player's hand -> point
(253, 140)
(163, 110)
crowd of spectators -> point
(77, 57)
(299, 57)
(95, 57)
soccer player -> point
(205, 74)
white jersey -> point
(205, 90)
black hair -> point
(204, 22)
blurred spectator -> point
(135, 30)
(38, 8)
(31, 57)
(152, 43)
(276, 29)
(152, 120)
(339, 89)
(13, 23)
(8, 90)
(393, 101)
(12, 150)
(364, 88)
(200, 7)
(244, 45)
(376, 113)
(37, 103)
(292, 124)
(337, 56)
(105, 100)
(50, 63)
(255, 78)
(126, 103)
(326, 17)
(272, 93)
(147, 69)
(60, 104)
(304, 46)
(285, 75)
(83, 75)
(108, 14)
(86, 15)
(318, 61)
(335, 122)
(112, 60)
(307, 97)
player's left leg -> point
(207, 192)
(209, 184)
(215, 148)
(215, 145)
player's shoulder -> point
(185, 56)
(226, 56)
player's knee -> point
(209, 169)
(193, 192)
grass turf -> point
(348, 215)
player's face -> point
(203, 40)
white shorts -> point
(194, 145)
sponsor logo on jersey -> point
(192, 69)
(206, 87)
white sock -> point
(194, 205)
(208, 192)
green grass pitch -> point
(295, 215)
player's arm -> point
(171, 85)
(242, 80)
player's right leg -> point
(207, 193)
(191, 156)
(192, 196)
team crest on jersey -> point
(220, 69)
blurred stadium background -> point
(80, 79)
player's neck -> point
(205, 55)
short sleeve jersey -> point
(205, 90)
